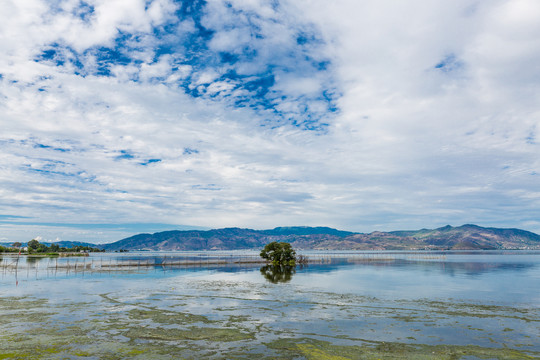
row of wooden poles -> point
(88, 264)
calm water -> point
(453, 305)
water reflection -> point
(476, 268)
(278, 274)
(31, 260)
(453, 267)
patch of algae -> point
(110, 299)
(8, 356)
(312, 352)
(481, 310)
(123, 338)
(166, 317)
(20, 310)
(193, 333)
(322, 350)
(113, 350)
(25, 317)
(70, 345)
(34, 352)
(158, 315)
(20, 303)
(99, 349)
(238, 318)
(475, 307)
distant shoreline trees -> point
(35, 247)
(8, 249)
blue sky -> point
(126, 116)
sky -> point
(126, 116)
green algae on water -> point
(192, 333)
(318, 350)
(166, 317)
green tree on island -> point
(33, 245)
(279, 253)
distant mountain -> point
(222, 239)
(70, 244)
(465, 237)
(306, 230)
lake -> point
(343, 305)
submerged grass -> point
(245, 320)
(323, 350)
(191, 333)
(166, 317)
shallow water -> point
(468, 305)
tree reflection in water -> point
(32, 260)
(278, 274)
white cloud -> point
(437, 117)
(296, 85)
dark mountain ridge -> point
(465, 237)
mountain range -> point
(465, 237)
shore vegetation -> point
(34, 247)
